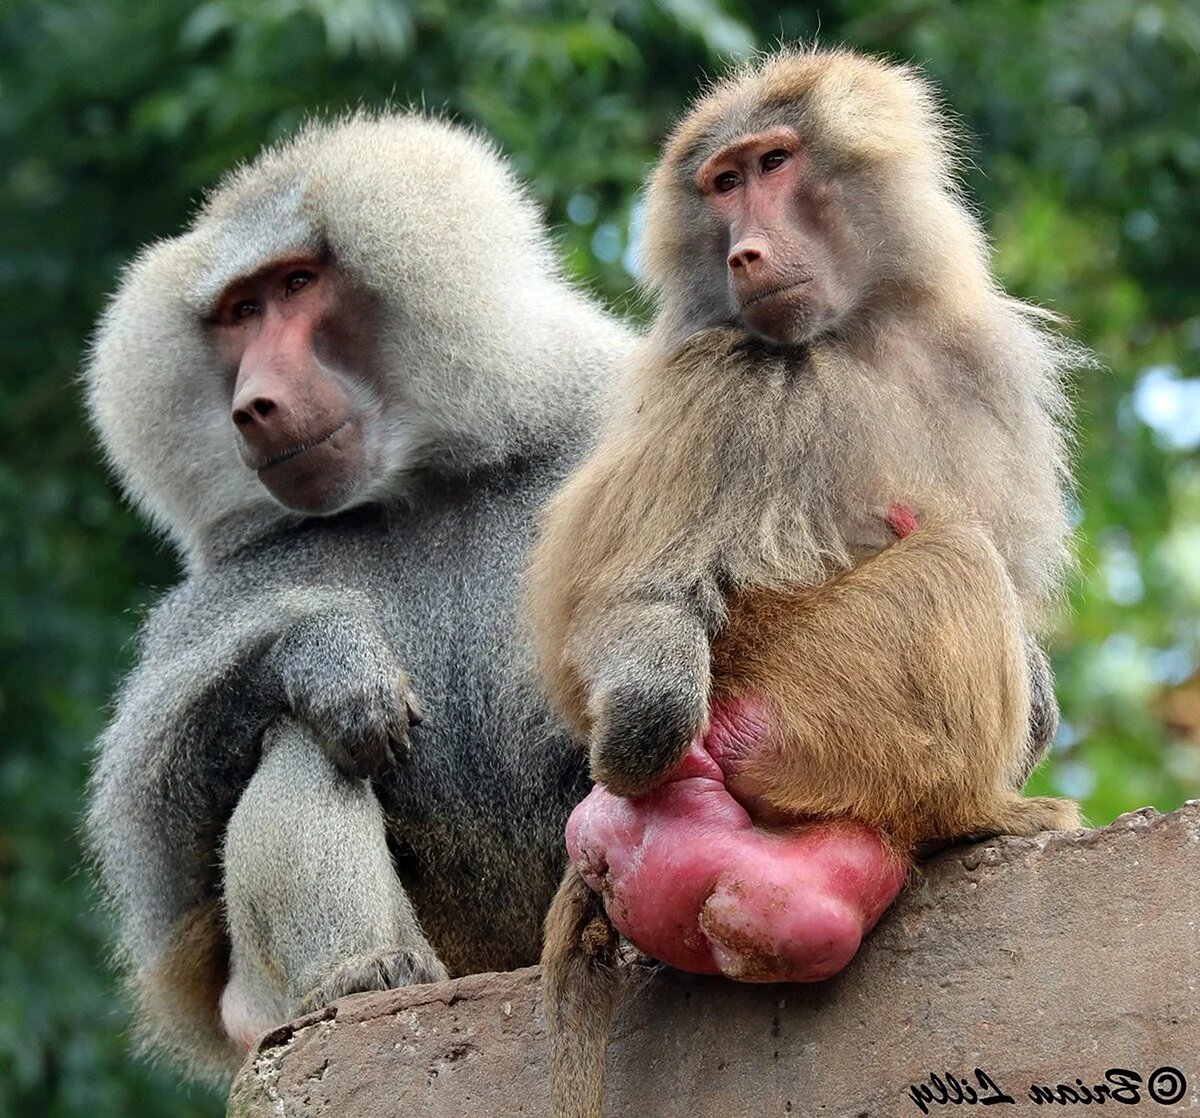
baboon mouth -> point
(771, 292)
(303, 448)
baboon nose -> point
(747, 252)
(253, 412)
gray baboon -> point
(344, 393)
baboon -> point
(807, 558)
(343, 393)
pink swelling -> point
(691, 880)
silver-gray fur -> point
(303, 629)
(284, 818)
(427, 219)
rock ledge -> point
(1045, 962)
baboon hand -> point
(364, 721)
(640, 731)
(343, 679)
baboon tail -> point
(580, 982)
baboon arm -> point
(340, 676)
(171, 766)
(182, 746)
(172, 763)
(645, 663)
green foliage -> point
(114, 117)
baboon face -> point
(792, 266)
(293, 339)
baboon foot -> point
(1033, 814)
(381, 970)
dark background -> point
(116, 114)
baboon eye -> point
(244, 308)
(774, 159)
(297, 280)
(727, 181)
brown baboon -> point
(719, 594)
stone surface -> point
(1039, 961)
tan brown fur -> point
(723, 461)
(580, 983)
(899, 692)
(728, 533)
(185, 984)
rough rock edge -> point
(355, 1009)
(1008, 850)
(992, 854)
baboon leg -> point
(1030, 815)
(314, 907)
